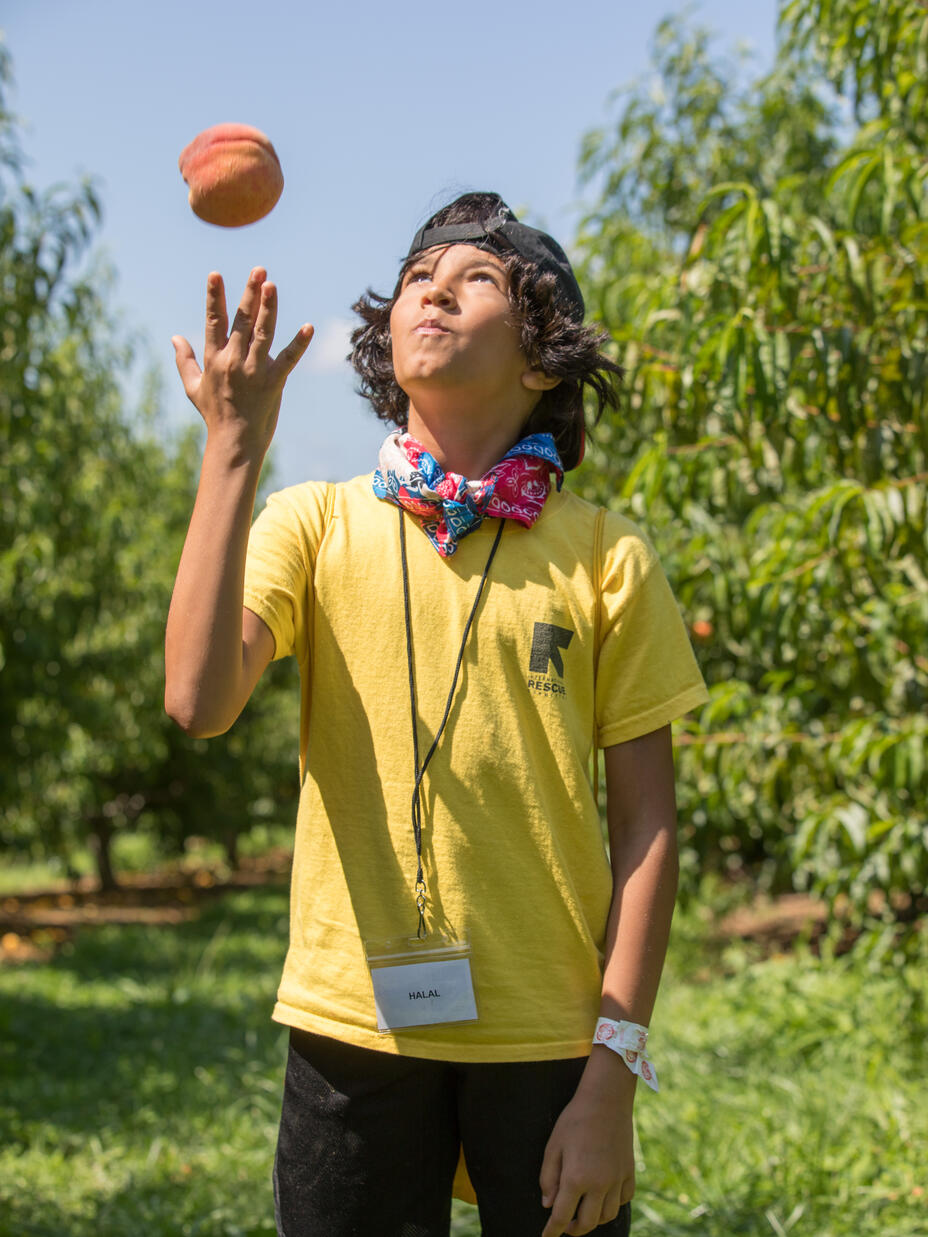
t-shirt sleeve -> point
(646, 673)
(279, 565)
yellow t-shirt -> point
(574, 643)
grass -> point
(140, 1086)
(793, 1097)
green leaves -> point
(874, 51)
(93, 511)
(774, 327)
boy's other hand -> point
(239, 388)
(589, 1164)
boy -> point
(466, 969)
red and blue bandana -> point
(449, 505)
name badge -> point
(421, 983)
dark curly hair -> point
(551, 338)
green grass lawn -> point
(140, 1086)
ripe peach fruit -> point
(233, 173)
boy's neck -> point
(463, 447)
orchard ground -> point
(141, 1075)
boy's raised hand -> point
(239, 388)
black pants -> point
(369, 1142)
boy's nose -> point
(437, 294)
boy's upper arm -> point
(640, 778)
(257, 648)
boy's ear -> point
(538, 380)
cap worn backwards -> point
(504, 232)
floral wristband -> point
(629, 1041)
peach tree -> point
(758, 251)
(94, 502)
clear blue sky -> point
(379, 112)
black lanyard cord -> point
(420, 770)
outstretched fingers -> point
(286, 360)
(265, 323)
(217, 318)
(240, 384)
(243, 323)
(187, 367)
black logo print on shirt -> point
(547, 642)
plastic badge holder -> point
(421, 982)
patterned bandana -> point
(449, 505)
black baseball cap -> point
(504, 232)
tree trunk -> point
(101, 837)
(230, 845)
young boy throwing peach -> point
(468, 968)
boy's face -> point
(452, 330)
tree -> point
(758, 254)
(93, 509)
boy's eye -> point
(418, 274)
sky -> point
(379, 112)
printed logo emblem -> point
(547, 643)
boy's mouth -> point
(430, 326)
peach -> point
(233, 173)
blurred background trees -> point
(758, 252)
(94, 503)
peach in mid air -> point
(233, 173)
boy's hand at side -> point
(588, 1170)
(239, 389)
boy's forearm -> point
(590, 1152)
(645, 890)
(645, 887)
(641, 808)
(204, 668)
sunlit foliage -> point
(93, 507)
(758, 251)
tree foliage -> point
(93, 509)
(758, 253)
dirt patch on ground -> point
(776, 922)
(34, 924)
